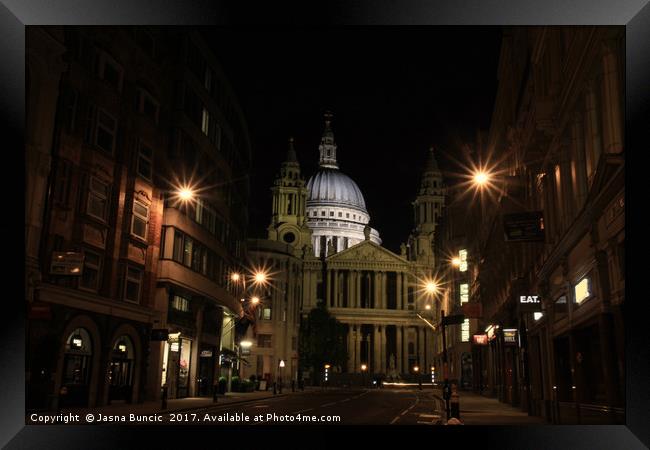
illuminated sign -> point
(582, 290)
(524, 227)
(480, 339)
(537, 315)
(464, 293)
(529, 303)
(462, 255)
(510, 336)
(464, 331)
(206, 354)
(67, 263)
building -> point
(111, 121)
(322, 248)
(558, 118)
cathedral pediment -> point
(367, 254)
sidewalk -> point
(476, 409)
(179, 404)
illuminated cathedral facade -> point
(322, 249)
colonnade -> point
(345, 289)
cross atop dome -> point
(327, 147)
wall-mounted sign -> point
(529, 303)
(67, 263)
(206, 354)
(510, 336)
(524, 227)
(480, 339)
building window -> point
(340, 214)
(294, 343)
(264, 340)
(109, 70)
(97, 205)
(187, 251)
(205, 122)
(180, 303)
(145, 159)
(266, 313)
(582, 290)
(62, 183)
(133, 284)
(91, 276)
(207, 81)
(322, 213)
(177, 254)
(347, 215)
(140, 219)
(147, 105)
(331, 213)
(101, 129)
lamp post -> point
(280, 377)
(416, 369)
(364, 367)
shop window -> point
(76, 366)
(139, 220)
(97, 203)
(91, 276)
(133, 284)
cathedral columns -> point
(351, 341)
(357, 348)
(328, 289)
(376, 349)
(398, 346)
(382, 290)
(384, 350)
(385, 290)
(357, 287)
(405, 292)
(405, 349)
(398, 290)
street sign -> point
(524, 227)
(159, 334)
(472, 310)
(453, 320)
(510, 336)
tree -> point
(322, 340)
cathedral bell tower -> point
(427, 209)
(288, 220)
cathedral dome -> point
(331, 187)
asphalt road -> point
(336, 407)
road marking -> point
(394, 420)
(346, 400)
(417, 399)
(303, 410)
(261, 406)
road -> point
(337, 407)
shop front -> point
(176, 365)
(77, 361)
(121, 371)
(206, 372)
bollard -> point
(215, 392)
(274, 388)
(455, 403)
(293, 385)
(164, 397)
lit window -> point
(266, 314)
(139, 219)
(582, 290)
(180, 303)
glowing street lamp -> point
(255, 300)
(456, 261)
(260, 277)
(363, 374)
(427, 307)
(185, 193)
(235, 277)
(481, 178)
(431, 287)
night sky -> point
(393, 92)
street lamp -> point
(364, 367)
(416, 369)
(185, 193)
(280, 378)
